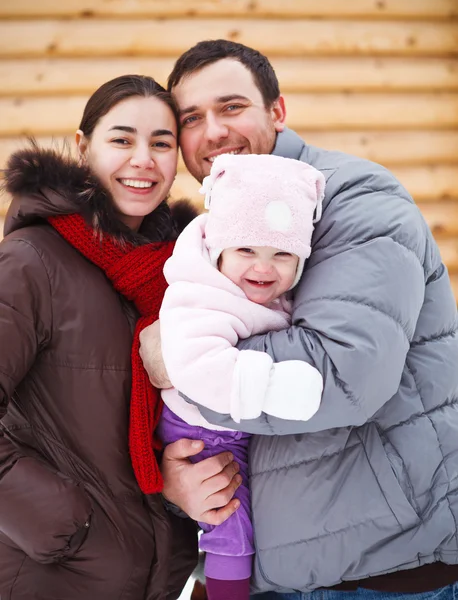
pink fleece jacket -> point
(203, 316)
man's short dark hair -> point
(210, 51)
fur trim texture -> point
(34, 169)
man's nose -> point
(216, 129)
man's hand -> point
(203, 490)
(151, 355)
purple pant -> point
(229, 546)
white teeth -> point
(135, 183)
(212, 158)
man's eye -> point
(189, 120)
(233, 107)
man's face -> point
(222, 111)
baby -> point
(230, 277)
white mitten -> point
(294, 391)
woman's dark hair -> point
(116, 90)
(210, 51)
(100, 214)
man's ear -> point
(81, 144)
(278, 114)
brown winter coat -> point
(73, 522)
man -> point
(363, 496)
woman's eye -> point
(161, 145)
(120, 141)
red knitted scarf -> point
(136, 272)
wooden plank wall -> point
(376, 78)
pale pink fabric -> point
(262, 200)
(203, 316)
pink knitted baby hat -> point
(262, 200)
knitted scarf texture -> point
(135, 272)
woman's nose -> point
(142, 159)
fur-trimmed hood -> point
(49, 182)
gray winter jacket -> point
(369, 485)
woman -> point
(76, 270)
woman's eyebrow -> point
(155, 133)
(123, 128)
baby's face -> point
(262, 272)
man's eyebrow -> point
(155, 133)
(187, 110)
(229, 97)
(218, 100)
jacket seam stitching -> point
(412, 500)
(6, 375)
(28, 243)
(440, 449)
(85, 367)
(324, 535)
(309, 460)
(363, 241)
(16, 577)
(376, 479)
(352, 300)
(418, 415)
(435, 338)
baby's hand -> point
(294, 391)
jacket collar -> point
(289, 144)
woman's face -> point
(133, 151)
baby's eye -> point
(245, 250)
(287, 254)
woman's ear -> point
(81, 144)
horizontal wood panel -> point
(376, 111)
(442, 218)
(386, 147)
(389, 147)
(418, 9)
(454, 282)
(10, 145)
(319, 112)
(449, 253)
(82, 76)
(171, 37)
(439, 182)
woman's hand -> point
(204, 490)
(151, 355)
